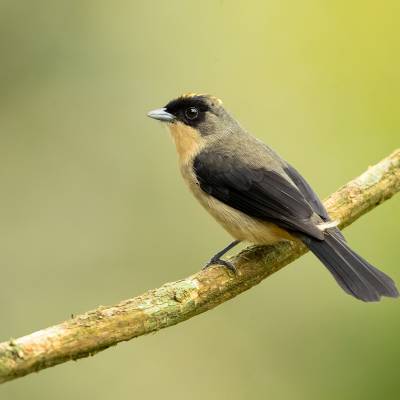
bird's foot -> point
(216, 260)
(219, 261)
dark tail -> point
(355, 275)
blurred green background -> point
(93, 209)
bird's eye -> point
(191, 113)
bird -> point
(256, 195)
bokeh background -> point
(93, 210)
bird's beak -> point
(162, 115)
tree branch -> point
(175, 302)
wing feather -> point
(310, 196)
(256, 191)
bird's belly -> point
(243, 227)
(238, 224)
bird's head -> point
(200, 112)
(195, 121)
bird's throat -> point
(187, 140)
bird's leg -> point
(216, 260)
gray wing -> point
(307, 192)
(256, 191)
(310, 196)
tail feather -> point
(355, 275)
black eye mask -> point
(189, 110)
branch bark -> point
(178, 301)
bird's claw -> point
(218, 261)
